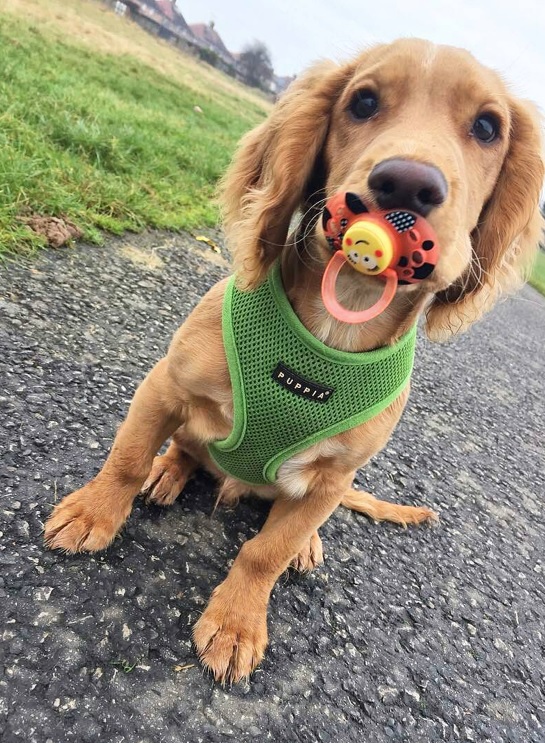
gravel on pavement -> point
(414, 635)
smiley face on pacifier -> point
(368, 247)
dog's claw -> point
(166, 480)
(310, 556)
(230, 643)
(78, 524)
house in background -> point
(160, 17)
(211, 42)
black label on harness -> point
(300, 386)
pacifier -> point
(396, 244)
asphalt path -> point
(416, 635)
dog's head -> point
(405, 125)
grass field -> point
(537, 279)
(97, 124)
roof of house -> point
(166, 8)
(163, 12)
(206, 32)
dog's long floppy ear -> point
(266, 181)
(505, 240)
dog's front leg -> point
(89, 519)
(231, 635)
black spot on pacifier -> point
(417, 257)
(344, 223)
(326, 216)
(355, 204)
(422, 272)
(403, 261)
(427, 245)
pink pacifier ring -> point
(341, 313)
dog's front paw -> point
(310, 556)
(166, 480)
(231, 635)
(82, 522)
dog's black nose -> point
(407, 184)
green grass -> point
(537, 278)
(106, 141)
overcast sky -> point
(509, 36)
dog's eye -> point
(486, 128)
(363, 105)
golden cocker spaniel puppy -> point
(408, 125)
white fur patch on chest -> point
(295, 474)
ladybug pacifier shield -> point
(397, 245)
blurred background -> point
(120, 115)
(505, 35)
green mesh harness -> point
(289, 389)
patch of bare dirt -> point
(56, 230)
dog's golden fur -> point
(308, 149)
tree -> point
(256, 66)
